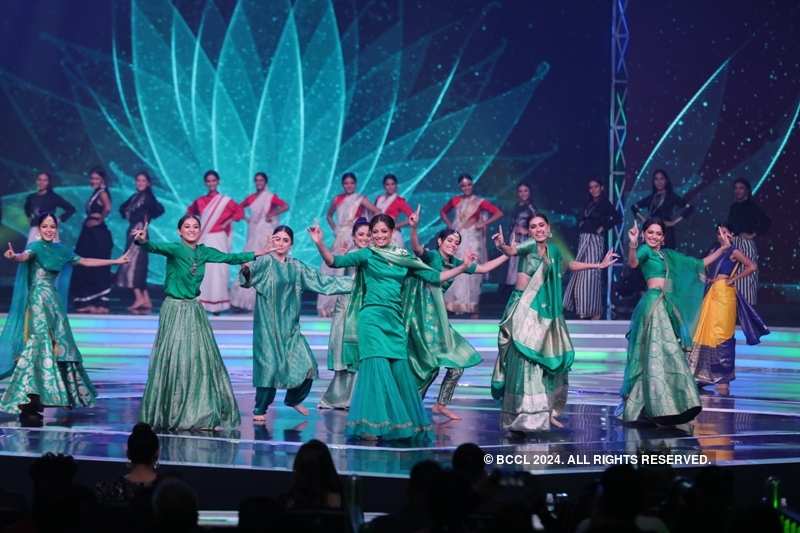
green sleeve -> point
(212, 255)
(642, 254)
(429, 256)
(315, 281)
(354, 258)
(471, 268)
(75, 259)
(256, 273)
(426, 275)
(160, 248)
(526, 247)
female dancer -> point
(90, 287)
(343, 363)
(140, 208)
(535, 350)
(658, 384)
(664, 204)
(37, 347)
(518, 222)
(386, 402)
(434, 343)
(583, 293)
(265, 208)
(393, 205)
(217, 213)
(281, 355)
(187, 384)
(44, 201)
(471, 222)
(345, 208)
(747, 220)
(713, 355)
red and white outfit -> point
(347, 210)
(464, 294)
(260, 226)
(217, 212)
(394, 205)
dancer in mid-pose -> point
(343, 361)
(583, 294)
(37, 347)
(216, 213)
(713, 355)
(282, 358)
(433, 343)
(45, 201)
(187, 384)
(91, 287)
(473, 215)
(535, 349)
(139, 209)
(394, 205)
(665, 204)
(386, 402)
(265, 209)
(658, 384)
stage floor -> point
(759, 423)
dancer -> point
(187, 384)
(518, 222)
(535, 351)
(583, 294)
(91, 287)
(345, 209)
(386, 402)
(713, 355)
(658, 384)
(139, 209)
(746, 220)
(45, 201)
(281, 355)
(37, 347)
(473, 216)
(434, 343)
(343, 362)
(265, 209)
(393, 205)
(664, 204)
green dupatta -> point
(392, 254)
(683, 291)
(536, 326)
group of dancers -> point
(390, 333)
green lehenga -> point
(658, 384)
(535, 351)
(39, 351)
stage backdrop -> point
(307, 90)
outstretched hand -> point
(609, 259)
(140, 234)
(10, 253)
(498, 238)
(413, 218)
(265, 251)
(315, 232)
(470, 257)
(725, 238)
(123, 259)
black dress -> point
(38, 204)
(90, 286)
(141, 207)
(667, 206)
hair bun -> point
(361, 220)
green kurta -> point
(282, 357)
(385, 401)
(188, 386)
(535, 350)
(432, 341)
(46, 360)
(658, 382)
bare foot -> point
(556, 422)
(440, 409)
(259, 418)
(300, 409)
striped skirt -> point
(583, 294)
(748, 287)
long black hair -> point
(360, 221)
(746, 184)
(667, 186)
(445, 233)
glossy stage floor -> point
(757, 425)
